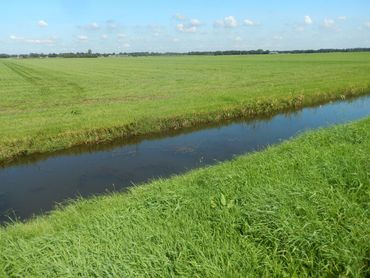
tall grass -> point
(295, 210)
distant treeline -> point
(325, 50)
(89, 53)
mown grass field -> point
(294, 210)
(52, 104)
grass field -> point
(298, 209)
(52, 104)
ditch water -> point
(35, 185)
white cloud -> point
(343, 18)
(249, 22)
(367, 24)
(308, 20)
(42, 23)
(228, 22)
(238, 39)
(83, 38)
(40, 41)
(94, 25)
(329, 23)
(181, 27)
(126, 45)
(91, 26)
(15, 38)
(104, 36)
(47, 41)
(175, 40)
(189, 26)
(180, 17)
(195, 22)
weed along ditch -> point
(34, 186)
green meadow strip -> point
(53, 104)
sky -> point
(47, 26)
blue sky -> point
(181, 25)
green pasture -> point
(53, 104)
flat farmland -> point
(53, 104)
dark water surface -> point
(34, 186)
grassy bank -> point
(53, 104)
(300, 208)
